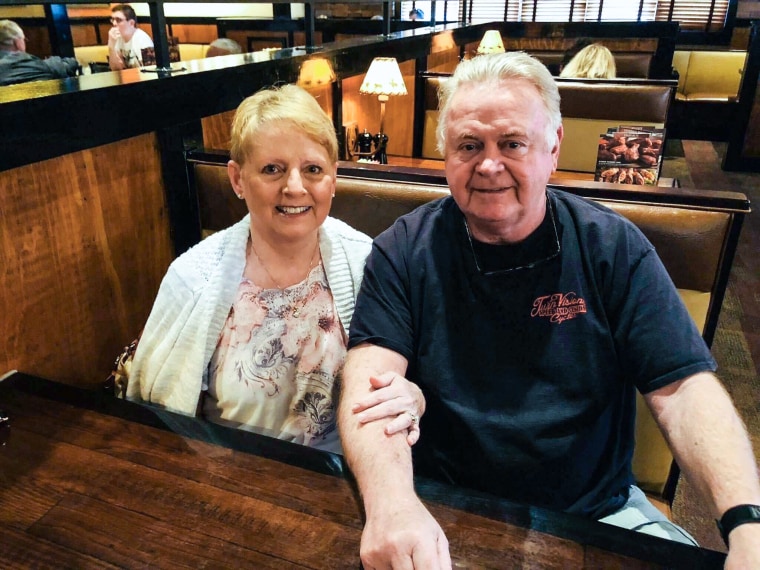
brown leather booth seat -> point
(709, 75)
(363, 203)
(694, 232)
(627, 64)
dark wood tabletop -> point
(88, 481)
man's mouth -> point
(290, 210)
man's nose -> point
(491, 162)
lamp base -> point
(381, 144)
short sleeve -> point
(383, 314)
(657, 339)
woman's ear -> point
(234, 172)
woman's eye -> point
(270, 169)
(314, 169)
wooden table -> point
(87, 481)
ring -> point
(415, 418)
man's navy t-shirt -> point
(529, 374)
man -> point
(223, 46)
(125, 40)
(18, 66)
(528, 317)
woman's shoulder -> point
(201, 260)
(338, 229)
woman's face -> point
(288, 182)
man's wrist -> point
(737, 516)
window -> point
(705, 15)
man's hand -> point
(393, 396)
(744, 547)
(113, 36)
(403, 535)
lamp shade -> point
(491, 43)
(383, 78)
(315, 72)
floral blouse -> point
(275, 364)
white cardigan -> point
(171, 362)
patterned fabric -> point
(273, 372)
(182, 332)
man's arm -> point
(115, 62)
(711, 445)
(399, 531)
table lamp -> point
(491, 43)
(315, 72)
(383, 79)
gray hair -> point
(493, 68)
(9, 32)
(227, 44)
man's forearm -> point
(708, 440)
(382, 464)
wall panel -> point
(83, 245)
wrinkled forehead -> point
(499, 100)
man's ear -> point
(557, 144)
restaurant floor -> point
(737, 342)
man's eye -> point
(515, 148)
(467, 147)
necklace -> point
(298, 308)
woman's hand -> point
(394, 398)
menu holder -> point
(630, 155)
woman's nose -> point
(294, 183)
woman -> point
(593, 62)
(249, 328)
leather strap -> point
(736, 516)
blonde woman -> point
(593, 62)
(249, 329)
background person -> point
(249, 327)
(125, 40)
(529, 317)
(416, 14)
(593, 62)
(18, 66)
(223, 46)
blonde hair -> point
(288, 103)
(495, 68)
(593, 62)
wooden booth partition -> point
(83, 245)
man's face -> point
(119, 20)
(498, 160)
